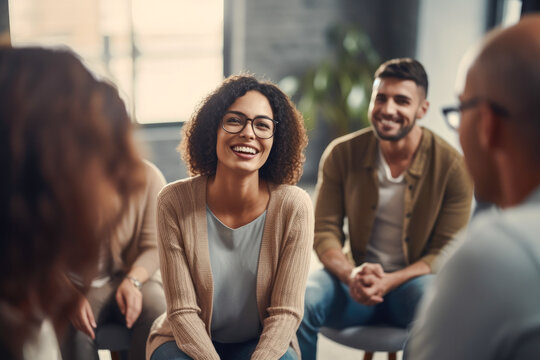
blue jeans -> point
(233, 351)
(329, 304)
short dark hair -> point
(406, 69)
(199, 135)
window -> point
(164, 55)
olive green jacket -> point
(437, 199)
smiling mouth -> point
(387, 122)
(245, 150)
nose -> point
(389, 108)
(247, 131)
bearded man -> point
(405, 193)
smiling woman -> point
(235, 240)
(198, 147)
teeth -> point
(387, 122)
(244, 149)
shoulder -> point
(153, 174)
(446, 162)
(512, 230)
(180, 191)
(500, 249)
(290, 197)
(350, 151)
(441, 148)
(289, 193)
(354, 140)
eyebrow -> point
(403, 97)
(244, 115)
(399, 96)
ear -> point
(422, 109)
(489, 128)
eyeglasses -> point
(263, 127)
(452, 114)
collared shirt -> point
(437, 199)
(483, 303)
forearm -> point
(138, 272)
(416, 269)
(147, 259)
(335, 261)
(278, 331)
(191, 337)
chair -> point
(370, 339)
(115, 338)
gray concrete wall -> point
(283, 37)
(276, 38)
(447, 30)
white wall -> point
(447, 29)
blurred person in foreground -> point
(485, 301)
(127, 288)
(70, 168)
(405, 193)
(235, 240)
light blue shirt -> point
(234, 257)
(485, 302)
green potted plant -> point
(337, 90)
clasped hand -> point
(368, 283)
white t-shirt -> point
(385, 246)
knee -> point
(415, 288)
(290, 355)
(319, 296)
(153, 303)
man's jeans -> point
(329, 304)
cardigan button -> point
(408, 215)
(407, 239)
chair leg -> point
(392, 356)
(115, 355)
(368, 355)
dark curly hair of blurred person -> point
(70, 165)
(198, 145)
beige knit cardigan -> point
(187, 277)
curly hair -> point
(66, 145)
(199, 135)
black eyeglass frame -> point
(469, 104)
(245, 124)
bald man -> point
(485, 302)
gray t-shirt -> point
(485, 301)
(234, 257)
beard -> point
(403, 131)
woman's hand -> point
(129, 300)
(83, 318)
